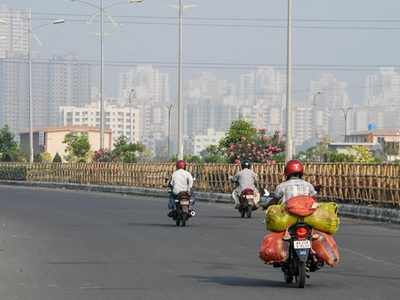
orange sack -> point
(326, 249)
(301, 206)
(273, 248)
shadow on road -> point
(138, 224)
(238, 281)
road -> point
(74, 245)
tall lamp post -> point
(132, 96)
(169, 107)
(345, 111)
(314, 104)
(101, 8)
(30, 93)
(180, 84)
(289, 143)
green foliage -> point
(361, 154)
(9, 150)
(239, 131)
(57, 158)
(213, 154)
(78, 147)
(125, 151)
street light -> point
(345, 111)
(289, 145)
(101, 8)
(30, 94)
(169, 107)
(180, 8)
(132, 96)
(314, 104)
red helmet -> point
(294, 167)
(181, 164)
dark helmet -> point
(246, 164)
(294, 167)
(181, 164)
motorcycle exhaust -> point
(193, 213)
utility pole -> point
(132, 95)
(345, 111)
(289, 142)
(170, 107)
(180, 84)
(30, 104)
(101, 92)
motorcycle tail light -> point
(301, 232)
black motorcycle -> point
(301, 260)
(182, 212)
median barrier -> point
(375, 185)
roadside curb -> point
(347, 210)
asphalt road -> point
(73, 245)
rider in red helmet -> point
(292, 187)
(181, 181)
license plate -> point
(250, 197)
(184, 202)
(306, 244)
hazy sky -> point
(240, 44)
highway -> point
(57, 245)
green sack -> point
(325, 218)
(277, 219)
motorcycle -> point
(301, 259)
(183, 212)
(247, 205)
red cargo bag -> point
(326, 249)
(273, 248)
(301, 206)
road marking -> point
(370, 258)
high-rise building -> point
(383, 88)
(122, 120)
(331, 92)
(265, 83)
(148, 83)
(14, 32)
(56, 82)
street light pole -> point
(289, 143)
(30, 87)
(170, 107)
(101, 92)
(132, 95)
(30, 106)
(180, 87)
(345, 115)
(314, 104)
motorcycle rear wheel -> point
(178, 221)
(301, 275)
(242, 212)
(288, 278)
(249, 212)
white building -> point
(147, 82)
(201, 142)
(122, 120)
(383, 88)
(14, 32)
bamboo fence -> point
(370, 184)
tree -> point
(239, 131)
(57, 158)
(9, 150)
(126, 152)
(78, 147)
(244, 142)
(213, 154)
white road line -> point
(370, 258)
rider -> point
(245, 179)
(181, 181)
(292, 187)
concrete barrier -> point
(347, 210)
